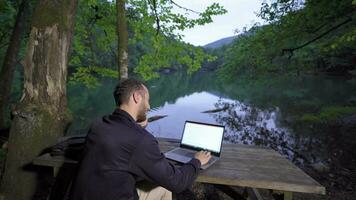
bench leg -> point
(55, 171)
(62, 183)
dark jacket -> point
(118, 154)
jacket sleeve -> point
(149, 163)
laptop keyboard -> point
(187, 153)
(212, 159)
(184, 153)
(184, 156)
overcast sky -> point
(239, 14)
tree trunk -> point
(122, 39)
(9, 65)
(41, 116)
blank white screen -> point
(203, 136)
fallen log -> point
(216, 110)
(156, 117)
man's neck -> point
(129, 110)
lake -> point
(272, 111)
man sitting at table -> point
(119, 154)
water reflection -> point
(250, 125)
(328, 157)
(327, 154)
(244, 124)
(189, 107)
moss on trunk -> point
(34, 128)
(41, 116)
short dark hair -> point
(125, 88)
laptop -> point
(198, 136)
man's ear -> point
(136, 97)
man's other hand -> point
(203, 157)
(143, 124)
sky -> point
(240, 13)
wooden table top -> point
(256, 167)
(239, 165)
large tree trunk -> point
(9, 65)
(123, 39)
(41, 115)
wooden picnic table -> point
(239, 165)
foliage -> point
(94, 46)
(301, 36)
(167, 53)
(158, 23)
(328, 114)
(8, 11)
(153, 41)
(278, 8)
(91, 81)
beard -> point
(141, 116)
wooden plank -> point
(240, 165)
(55, 161)
(256, 167)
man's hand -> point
(143, 124)
(203, 157)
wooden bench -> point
(240, 165)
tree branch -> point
(318, 28)
(184, 8)
(153, 6)
(291, 50)
(330, 21)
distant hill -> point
(221, 42)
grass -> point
(328, 114)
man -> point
(119, 153)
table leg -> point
(230, 192)
(55, 171)
(257, 194)
(288, 195)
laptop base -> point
(182, 155)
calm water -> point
(192, 107)
(264, 112)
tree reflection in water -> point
(249, 125)
(329, 157)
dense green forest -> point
(299, 37)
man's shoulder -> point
(148, 139)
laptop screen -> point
(203, 136)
